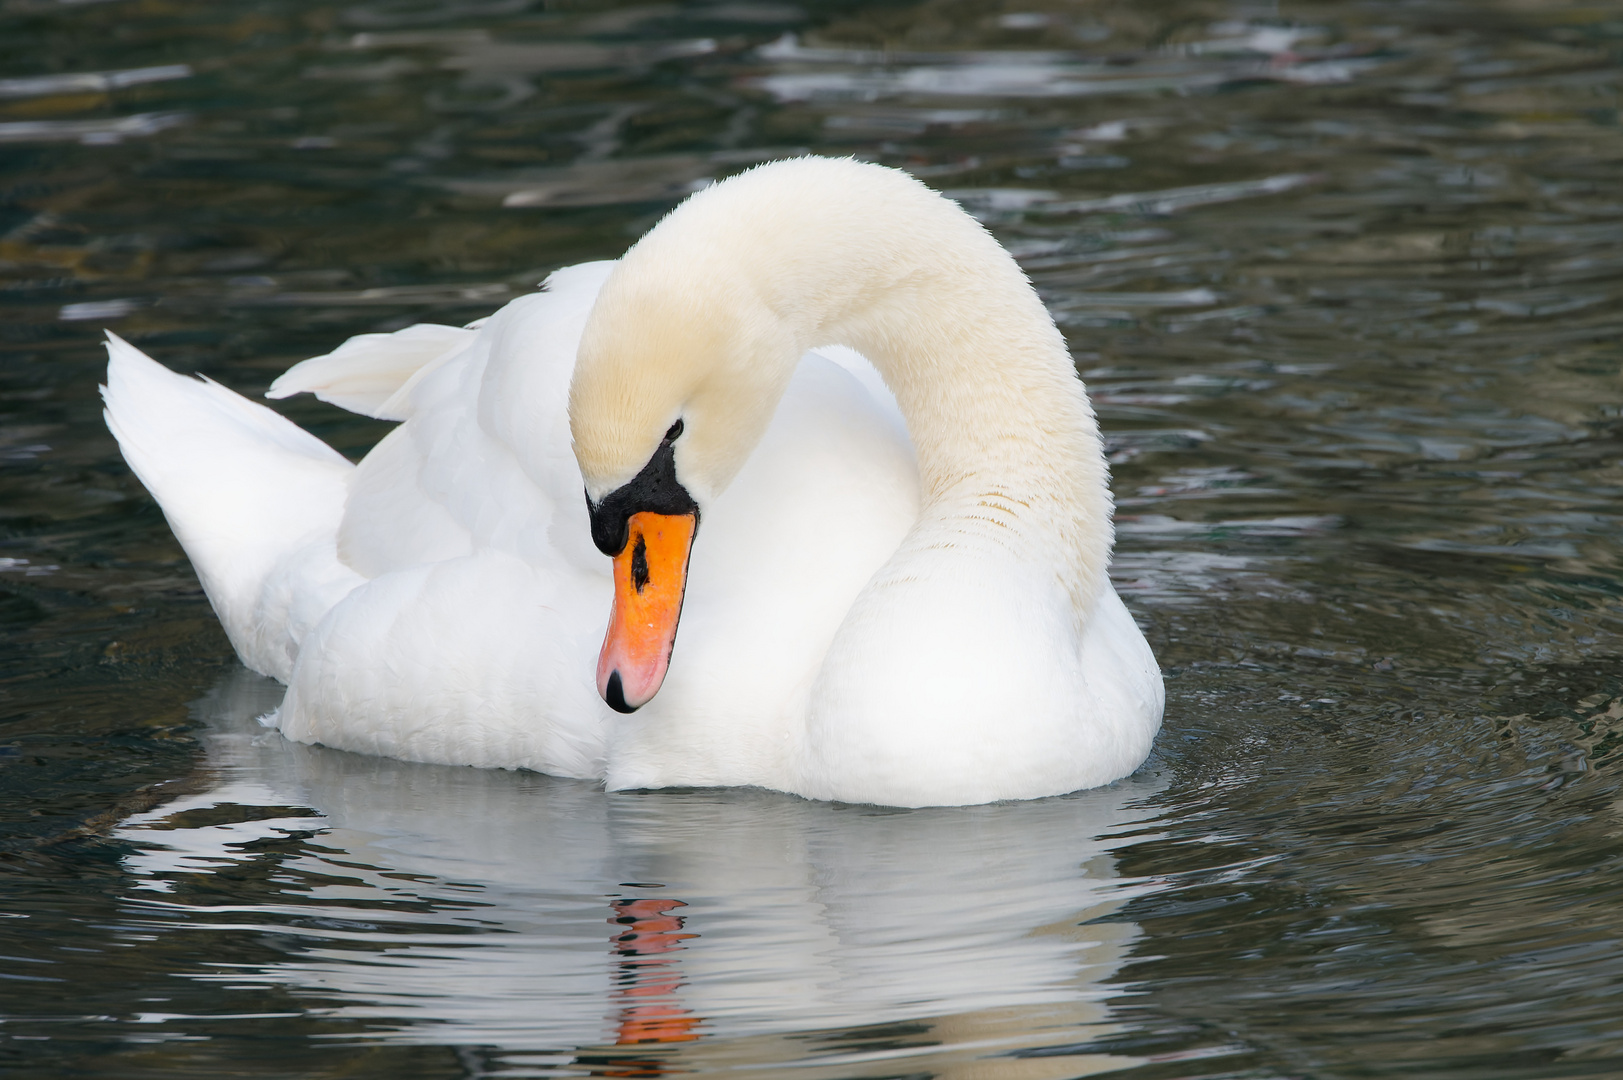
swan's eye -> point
(676, 429)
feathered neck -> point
(708, 314)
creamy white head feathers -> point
(676, 335)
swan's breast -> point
(824, 501)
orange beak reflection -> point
(650, 576)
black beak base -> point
(655, 489)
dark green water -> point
(1346, 282)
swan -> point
(824, 425)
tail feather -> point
(255, 500)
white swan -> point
(867, 618)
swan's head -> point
(679, 371)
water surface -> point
(1346, 283)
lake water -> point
(1346, 283)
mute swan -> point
(897, 595)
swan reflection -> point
(628, 933)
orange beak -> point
(650, 576)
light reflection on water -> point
(1346, 283)
(516, 912)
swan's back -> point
(483, 461)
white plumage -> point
(869, 617)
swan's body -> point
(868, 617)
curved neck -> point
(821, 252)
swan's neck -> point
(821, 252)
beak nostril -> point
(614, 693)
(639, 564)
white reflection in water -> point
(516, 911)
